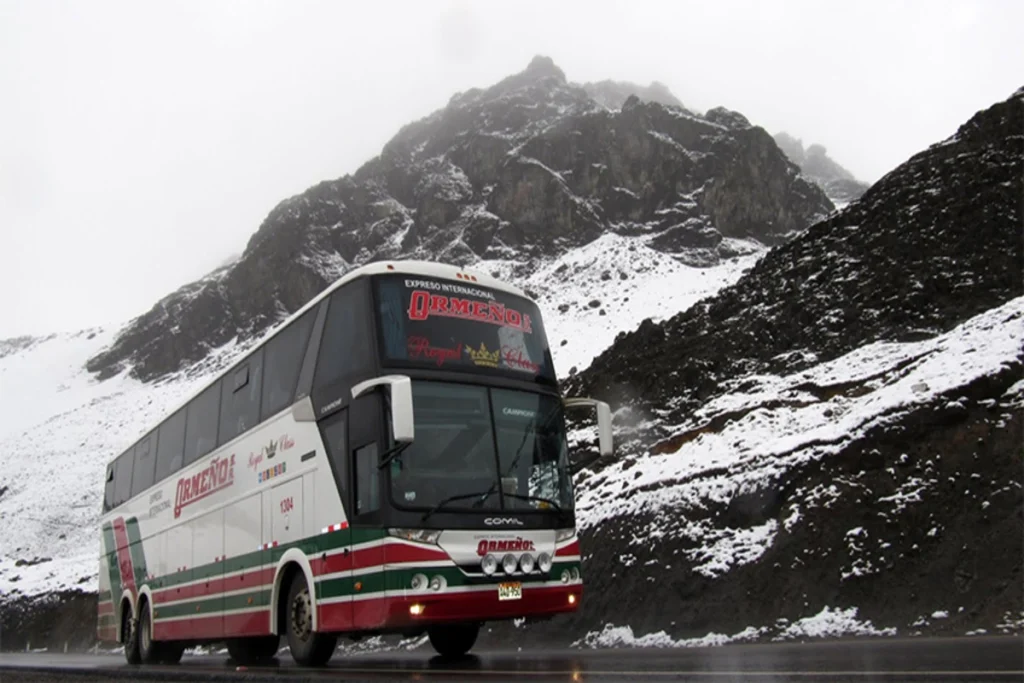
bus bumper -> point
(483, 605)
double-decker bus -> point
(392, 459)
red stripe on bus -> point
(230, 625)
(260, 578)
(571, 549)
(124, 556)
(375, 557)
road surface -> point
(968, 659)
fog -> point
(141, 143)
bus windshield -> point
(487, 448)
(434, 323)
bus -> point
(391, 459)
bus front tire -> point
(253, 650)
(453, 640)
(309, 648)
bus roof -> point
(425, 268)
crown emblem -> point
(270, 449)
(482, 356)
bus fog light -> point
(544, 562)
(416, 610)
(489, 564)
(419, 582)
(509, 563)
(437, 583)
(526, 563)
(572, 599)
(565, 576)
(574, 574)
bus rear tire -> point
(149, 649)
(130, 636)
(253, 650)
(453, 640)
(308, 647)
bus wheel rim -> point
(302, 615)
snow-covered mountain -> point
(839, 430)
(808, 420)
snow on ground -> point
(60, 428)
(778, 425)
(828, 623)
(592, 293)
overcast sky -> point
(141, 143)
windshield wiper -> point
(519, 496)
(452, 499)
(392, 453)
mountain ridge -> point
(524, 169)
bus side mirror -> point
(604, 421)
(400, 386)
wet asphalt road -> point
(890, 659)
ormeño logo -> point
(513, 545)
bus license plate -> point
(510, 591)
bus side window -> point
(123, 477)
(170, 444)
(240, 398)
(284, 355)
(145, 464)
(108, 488)
(367, 489)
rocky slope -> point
(522, 170)
(840, 428)
(838, 183)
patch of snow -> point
(832, 623)
(622, 636)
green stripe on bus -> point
(213, 604)
(110, 552)
(137, 552)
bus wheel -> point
(308, 647)
(253, 650)
(130, 636)
(453, 640)
(149, 650)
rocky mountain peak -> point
(520, 171)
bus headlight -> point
(564, 534)
(437, 583)
(526, 563)
(489, 564)
(574, 574)
(544, 562)
(565, 576)
(418, 535)
(419, 582)
(509, 563)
